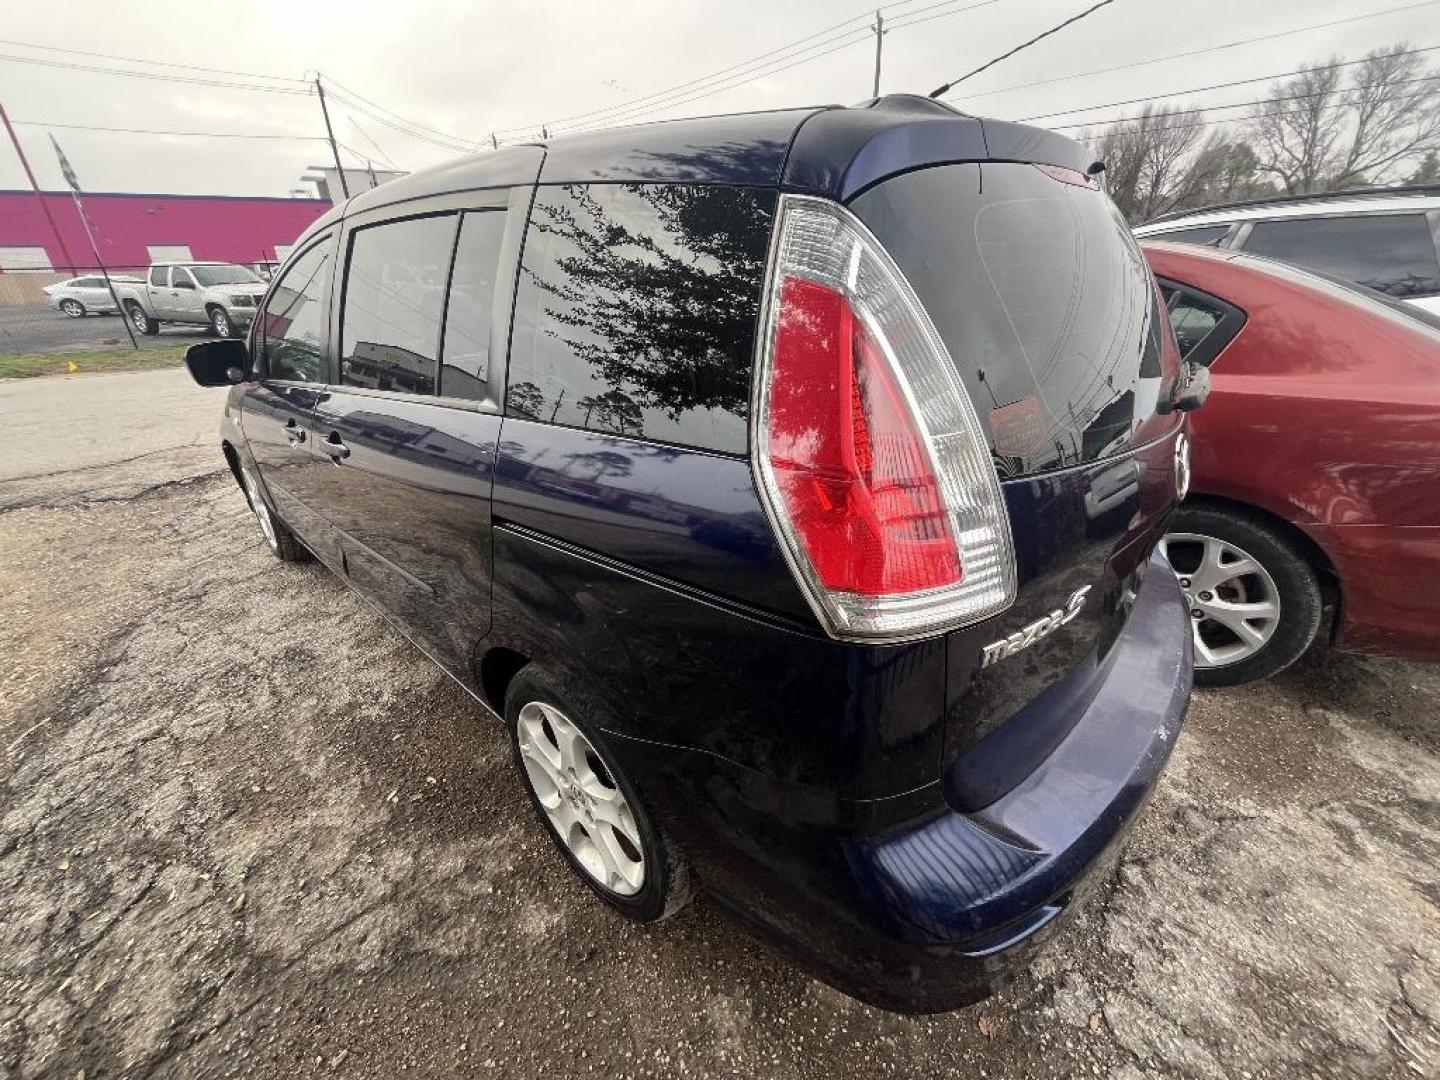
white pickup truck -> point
(222, 296)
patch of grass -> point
(29, 365)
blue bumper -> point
(963, 898)
(908, 903)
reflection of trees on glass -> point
(525, 398)
(655, 288)
(613, 411)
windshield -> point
(224, 275)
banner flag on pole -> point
(74, 182)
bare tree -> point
(1321, 130)
(1149, 159)
(1162, 160)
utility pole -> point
(330, 132)
(879, 29)
(39, 195)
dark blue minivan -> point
(789, 484)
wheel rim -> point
(1233, 602)
(72, 308)
(221, 323)
(262, 512)
(138, 318)
(577, 791)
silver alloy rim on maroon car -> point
(578, 793)
(1232, 599)
(262, 512)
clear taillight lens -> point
(873, 466)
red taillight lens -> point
(868, 455)
(852, 469)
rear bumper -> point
(937, 911)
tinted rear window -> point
(1209, 235)
(1042, 298)
(1393, 253)
(636, 307)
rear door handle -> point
(334, 447)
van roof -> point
(834, 151)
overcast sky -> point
(467, 69)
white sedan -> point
(84, 295)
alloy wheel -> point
(262, 512)
(138, 318)
(1233, 602)
(579, 795)
(220, 323)
(72, 308)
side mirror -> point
(218, 363)
(1191, 388)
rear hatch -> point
(1050, 315)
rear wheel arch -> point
(232, 458)
(495, 671)
(1331, 587)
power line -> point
(447, 142)
(402, 120)
(155, 63)
(694, 89)
(372, 142)
(855, 36)
(155, 75)
(1199, 52)
(1247, 104)
(1214, 86)
(155, 131)
(908, 20)
(860, 35)
(945, 89)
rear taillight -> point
(871, 460)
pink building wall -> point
(222, 228)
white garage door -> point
(24, 258)
(170, 253)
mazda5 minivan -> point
(789, 484)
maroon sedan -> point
(1316, 465)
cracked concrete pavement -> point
(247, 830)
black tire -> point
(73, 308)
(283, 543)
(667, 883)
(140, 320)
(1294, 580)
(220, 324)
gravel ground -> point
(247, 830)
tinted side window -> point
(1200, 234)
(394, 294)
(636, 308)
(1393, 253)
(1192, 319)
(159, 275)
(465, 355)
(292, 329)
(180, 278)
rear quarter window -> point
(636, 308)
